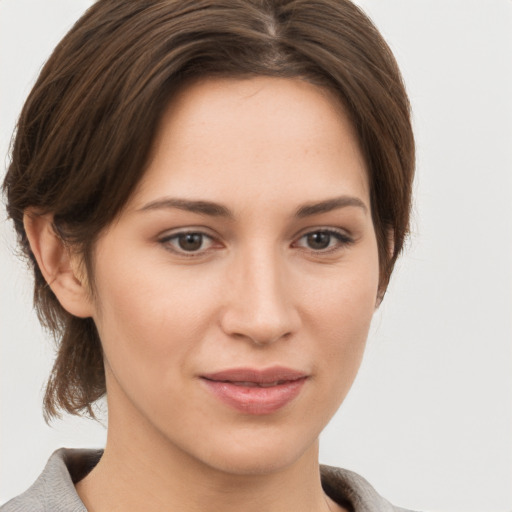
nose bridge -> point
(260, 307)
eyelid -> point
(166, 237)
(343, 237)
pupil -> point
(319, 240)
(191, 241)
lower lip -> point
(256, 400)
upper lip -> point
(258, 376)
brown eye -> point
(190, 241)
(318, 240)
(324, 240)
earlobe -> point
(60, 268)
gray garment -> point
(54, 490)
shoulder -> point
(54, 490)
(353, 491)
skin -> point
(258, 292)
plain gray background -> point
(428, 421)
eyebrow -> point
(201, 207)
(212, 209)
(328, 205)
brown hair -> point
(86, 129)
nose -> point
(259, 302)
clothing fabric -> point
(54, 490)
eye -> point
(324, 240)
(188, 242)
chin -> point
(264, 456)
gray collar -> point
(54, 490)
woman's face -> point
(236, 289)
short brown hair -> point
(86, 129)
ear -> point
(59, 266)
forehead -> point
(223, 134)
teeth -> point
(247, 384)
(269, 384)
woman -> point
(213, 196)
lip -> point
(255, 391)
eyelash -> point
(343, 240)
(167, 242)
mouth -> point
(249, 384)
(253, 391)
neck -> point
(142, 470)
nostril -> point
(259, 309)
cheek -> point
(338, 316)
(343, 299)
(150, 315)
